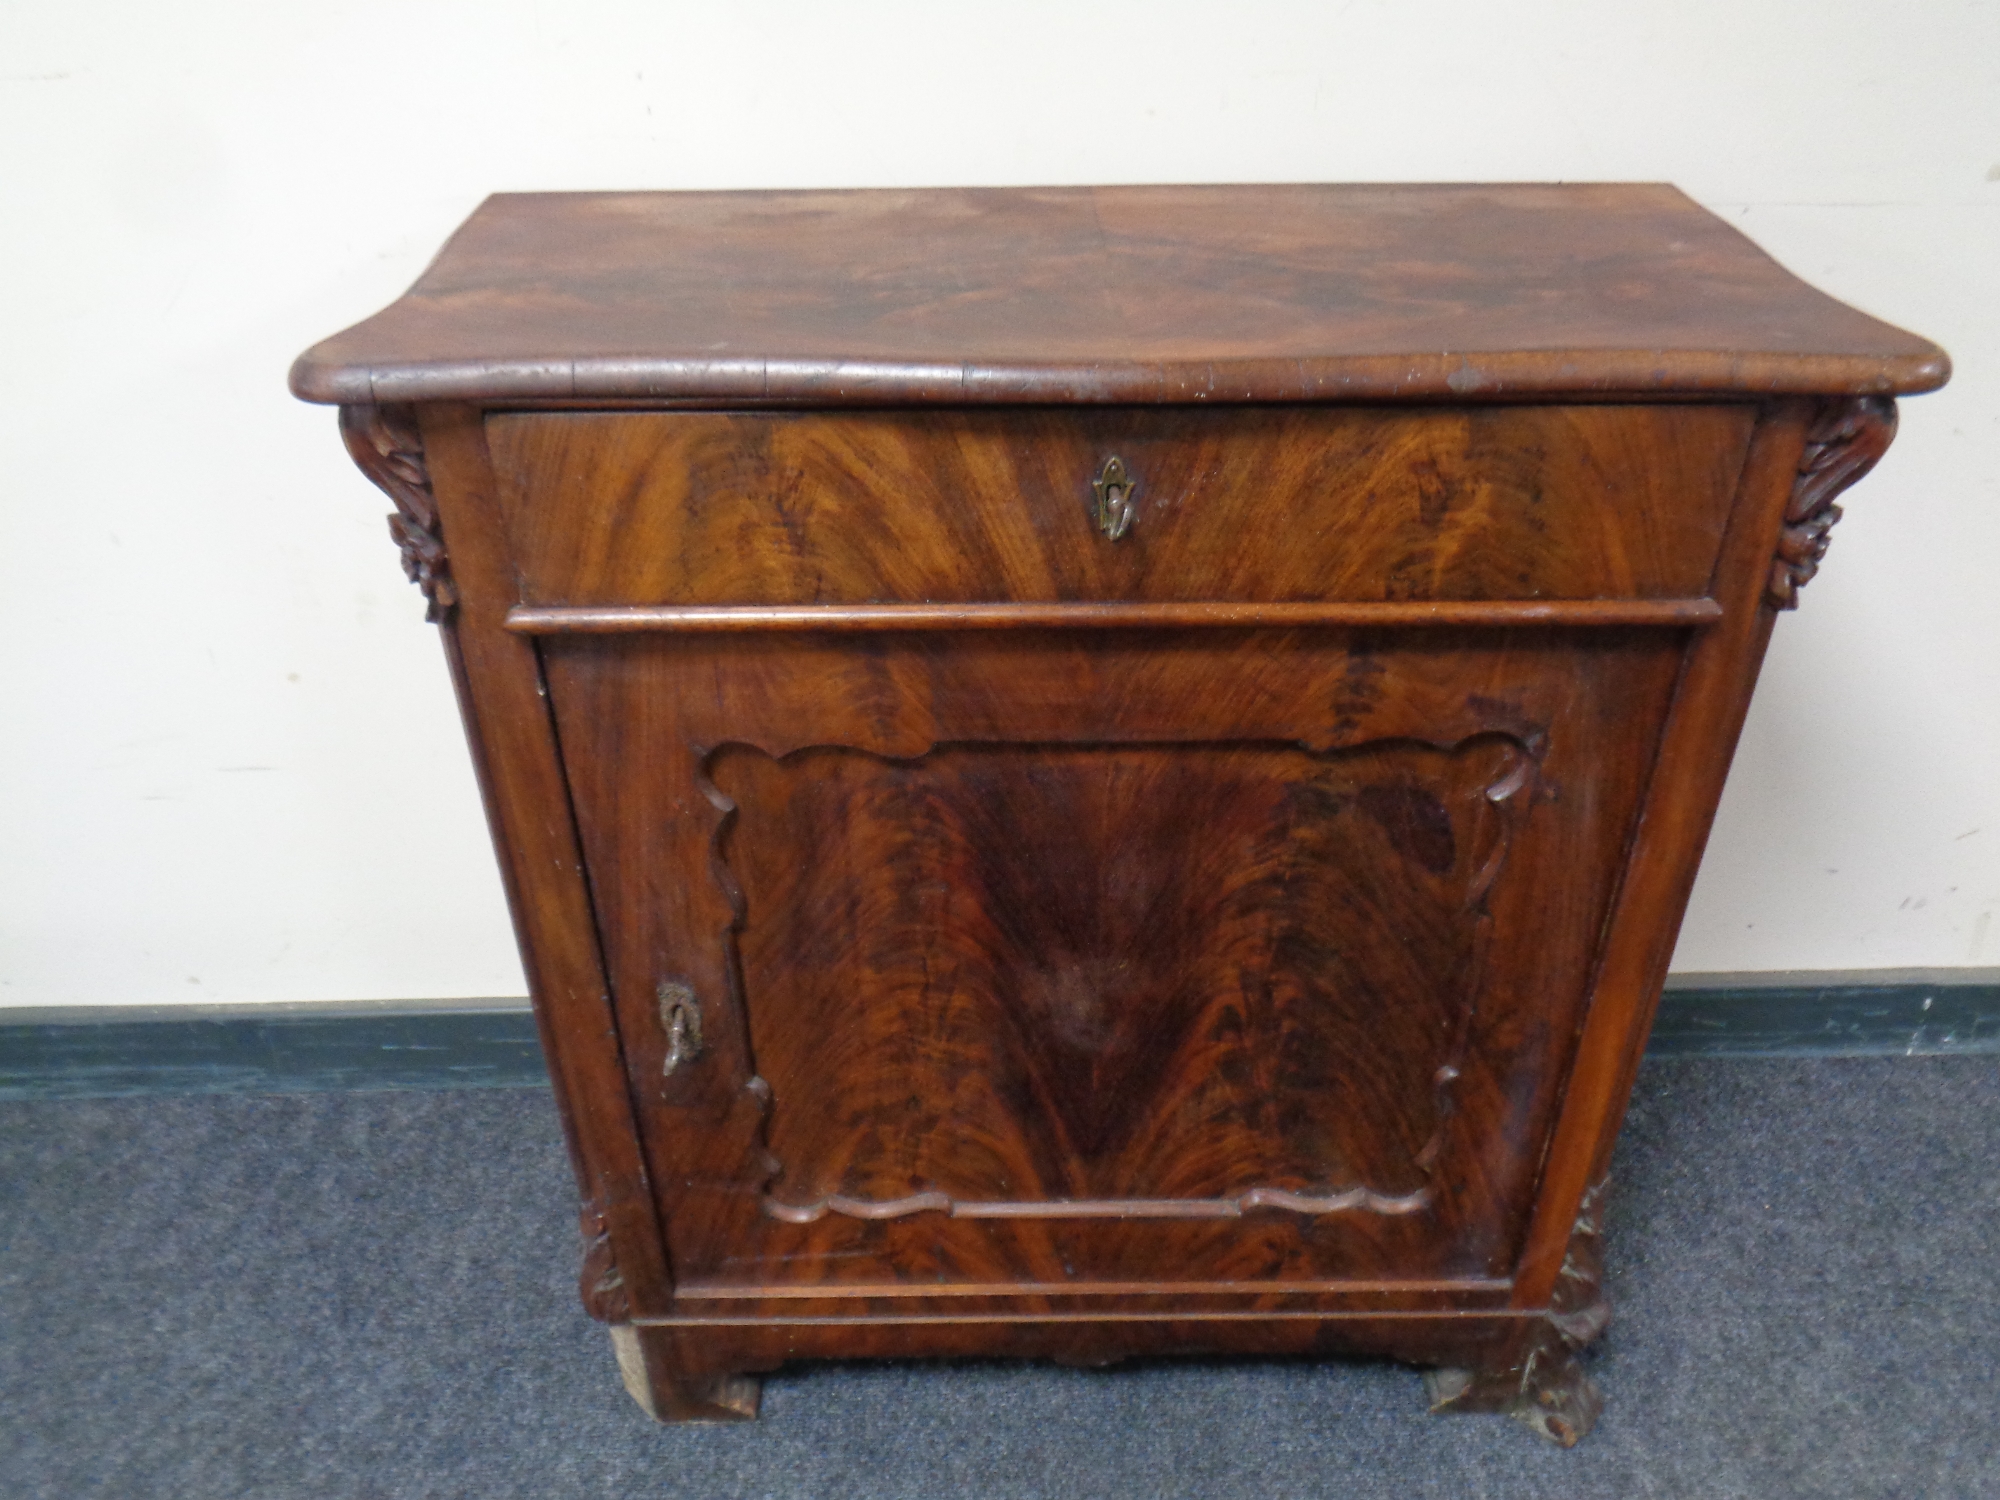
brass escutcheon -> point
(1115, 508)
(680, 1018)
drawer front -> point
(1275, 504)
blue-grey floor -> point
(373, 1294)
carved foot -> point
(645, 1361)
(1536, 1377)
(1549, 1392)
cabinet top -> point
(1122, 294)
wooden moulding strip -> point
(834, 1291)
(636, 618)
(1223, 1315)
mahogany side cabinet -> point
(1087, 773)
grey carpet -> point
(372, 1294)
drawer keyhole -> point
(680, 1018)
(1115, 509)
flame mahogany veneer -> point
(1097, 772)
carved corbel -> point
(1843, 443)
(388, 447)
(1542, 1383)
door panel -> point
(1109, 981)
(1058, 960)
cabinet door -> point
(1071, 961)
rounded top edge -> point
(1550, 374)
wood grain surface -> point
(1170, 840)
(1112, 981)
(1245, 505)
(518, 762)
(1122, 294)
(671, 741)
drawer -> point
(1256, 504)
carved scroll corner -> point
(387, 445)
(1844, 442)
(1579, 1310)
(599, 1281)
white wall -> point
(230, 767)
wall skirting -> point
(101, 1051)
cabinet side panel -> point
(528, 809)
(1682, 792)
